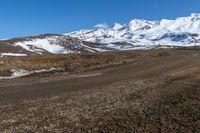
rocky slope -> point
(47, 44)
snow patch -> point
(87, 75)
(12, 54)
(16, 73)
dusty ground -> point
(155, 91)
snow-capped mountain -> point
(183, 31)
(137, 34)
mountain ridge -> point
(139, 30)
(136, 35)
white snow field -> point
(40, 45)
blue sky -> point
(31, 17)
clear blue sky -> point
(30, 17)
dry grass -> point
(73, 62)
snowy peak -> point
(138, 25)
(195, 16)
(118, 26)
(189, 24)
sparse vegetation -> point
(73, 63)
(144, 91)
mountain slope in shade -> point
(183, 31)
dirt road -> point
(147, 94)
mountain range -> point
(137, 34)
